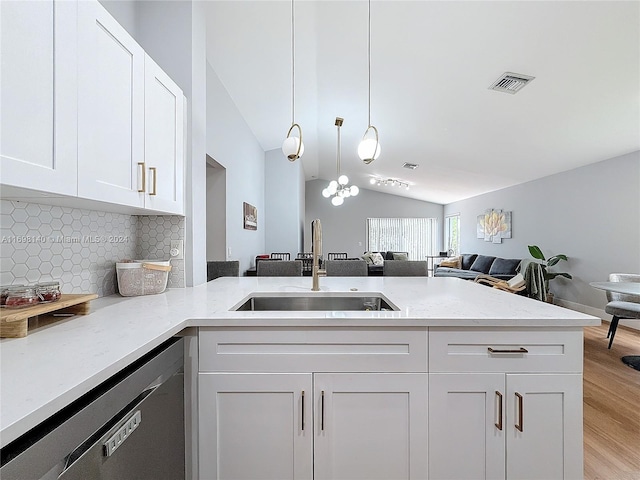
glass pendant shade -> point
(292, 148)
(369, 150)
(343, 180)
(354, 190)
(325, 193)
(337, 201)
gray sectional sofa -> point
(473, 265)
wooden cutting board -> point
(14, 322)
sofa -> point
(469, 266)
(376, 270)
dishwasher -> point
(129, 427)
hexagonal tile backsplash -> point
(80, 247)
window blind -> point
(417, 236)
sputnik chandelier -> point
(389, 182)
(339, 188)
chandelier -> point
(389, 182)
(339, 188)
(292, 147)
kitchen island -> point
(438, 336)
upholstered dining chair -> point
(281, 255)
(280, 268)
(346, 268)
(337, 256)
(621, 305)
(404, 268)
(222, 268)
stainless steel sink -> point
(306, 302)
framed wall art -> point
(250, 215)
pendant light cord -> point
(293, 66)
(369, 61)
(338, 154)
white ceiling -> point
(431, 65)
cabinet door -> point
(38, 96)
(163, 141)
(370, 426)
(255, 426)
(110, 109)
(466, 426)
(544, 431)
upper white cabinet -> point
(110, 109)
(38, 85)
(163, 141)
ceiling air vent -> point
(510, 82)
(411, 166)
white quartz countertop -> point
(57, 363)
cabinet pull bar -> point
(322, 411)
(499, 400)
(155, 174)
(520, 413)
(144, 177)
(303, 410)
(519, 350)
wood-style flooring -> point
(611, 406)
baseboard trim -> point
(596, 312)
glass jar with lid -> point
(4, 290)
(21, 296)
(48, 291)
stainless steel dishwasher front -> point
(129, 427)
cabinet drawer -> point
(499, 350)
(314, 349)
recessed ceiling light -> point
(411, 166)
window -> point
(416, 236)
(452, 233)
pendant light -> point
(369, 148)
(292, 147)
(339, 188)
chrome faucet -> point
(316, 227)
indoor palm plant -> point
(548, 262)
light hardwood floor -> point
(611, 406)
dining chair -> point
(337, 256)
(404, 268)
(280, 268)
(621, 305)
(346, 268)
(281, 255)
(222, 268)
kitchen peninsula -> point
(467, 367)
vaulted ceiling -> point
(432, 63)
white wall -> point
(232, 144)
(591, 214)
(216, 211)
(344, 228)
(284, 213)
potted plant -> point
(546, 263)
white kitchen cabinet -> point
(110, 109)
(255, 426)
(498, 419)
(38, 120)
(163, 141)
(364, 425)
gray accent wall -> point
(591, 214)
(231, 143)
(284, 213)
(344, 227)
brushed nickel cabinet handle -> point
(144, 177)
(155, 174)
(520, 413)
(496, 350)
(303, 410)
(499, 400)
(322, 411)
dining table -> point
(629, 288)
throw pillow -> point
(467, 260)
(400, 256)
(482, 264)
(455, 262)
(368, 258)
(377, 259)
(504, 266)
